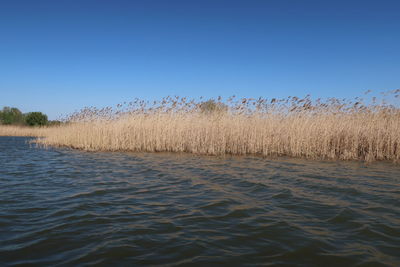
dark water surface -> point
(65, 207)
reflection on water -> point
(71, 207)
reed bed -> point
(11, 130)
(298, 127)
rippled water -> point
(69, 207)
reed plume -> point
(298, 127)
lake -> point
(68, 207)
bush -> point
(36, 119)
(54, 123)
(212, 107)
(11, 116)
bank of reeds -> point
(330, 129)
(11, 130)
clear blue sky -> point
(59, 56)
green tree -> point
(212, 107)
(36, 119)
(11, 116)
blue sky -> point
(59, 56)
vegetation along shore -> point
(356, 129)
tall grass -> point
(318, 129)
(11, 130)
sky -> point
(60, 56)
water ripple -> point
(65, 207)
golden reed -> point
(9, 130)
(331, 129)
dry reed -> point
(331, 129)
(10, 130)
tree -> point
(11, 116)
(36, 119)
(212, 107)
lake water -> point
(68, 207)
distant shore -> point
(293, 127)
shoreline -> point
(95, 137)
(336, 129)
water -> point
(69, 207)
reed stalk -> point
(331, 129)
